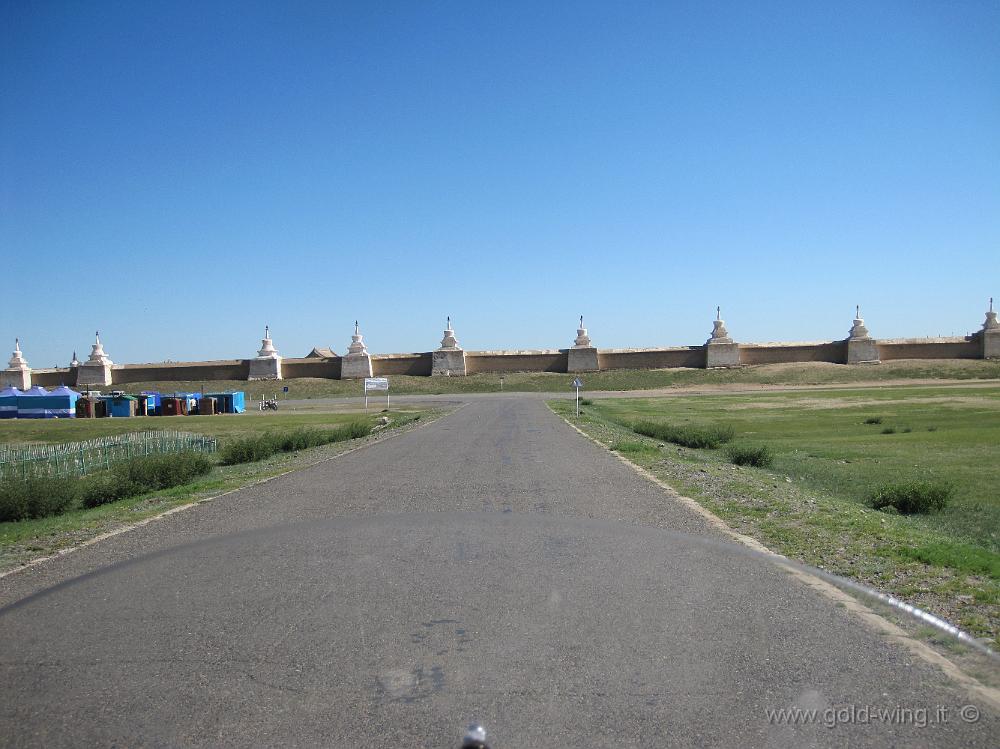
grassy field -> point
(815, 373)
(28, 539)
(221, 426)
(812, 503)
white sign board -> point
(578, 383)
(376, 383)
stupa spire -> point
(991, 318)
(267, 350)
(448, 342)
(582, 338)
(719, 332)
(357, 342)
(17, 360)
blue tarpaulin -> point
(8, 403)
(61, 403)
(30, 404)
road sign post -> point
(377, 383)
(578, 383)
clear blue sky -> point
(177, 174)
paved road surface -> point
(494, 565)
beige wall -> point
(419, 364)
(384, 365)
(326, 368)
(950, 348)
(690, 356)
(231, 369)
(51, 378)
(515, 361)
(781, 353)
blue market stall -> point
(149, 403)
(121, 406)
(61, 403)
(8, 403)
(230, 403)
(30, 404)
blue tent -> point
(61, 403)
(30, 403)
(8, 403)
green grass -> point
(811, 373)
(635, 447)
(689, 435)
(758, 456)
(813, 503)
(223, 427)
(260, 446)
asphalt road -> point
(492, 566)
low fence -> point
(81, 458)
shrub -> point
(140, 475)
(912, 497)
(873, 420)
(247, 449)
(907, 430)
(688, 436)
(932, 429)
(889, 430)
(351, 430)
(635, 447)
(259, 447)
(759, 456)
(102, 488)
(154, 472)
(36, 498)
(586, 402)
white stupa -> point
(17, 360)
(357, 363)
(582, 357)
(97, 355)
(861, 347)
(990, 334)
(97, 369)
(449, 359)
(449, 341)
(18, 373)
(582, 339)
(720, 349)
(991, 318)
(267, 365)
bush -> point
(140, 475)
(889, 430)
(41, 497)
(247, 450)
(259, 447)
(634, 447)
(688, 436)
(913, 497)
(586, 402)
(873, 420)
(759, 456)
(154, 472)
(102, 488)
(36, 498)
